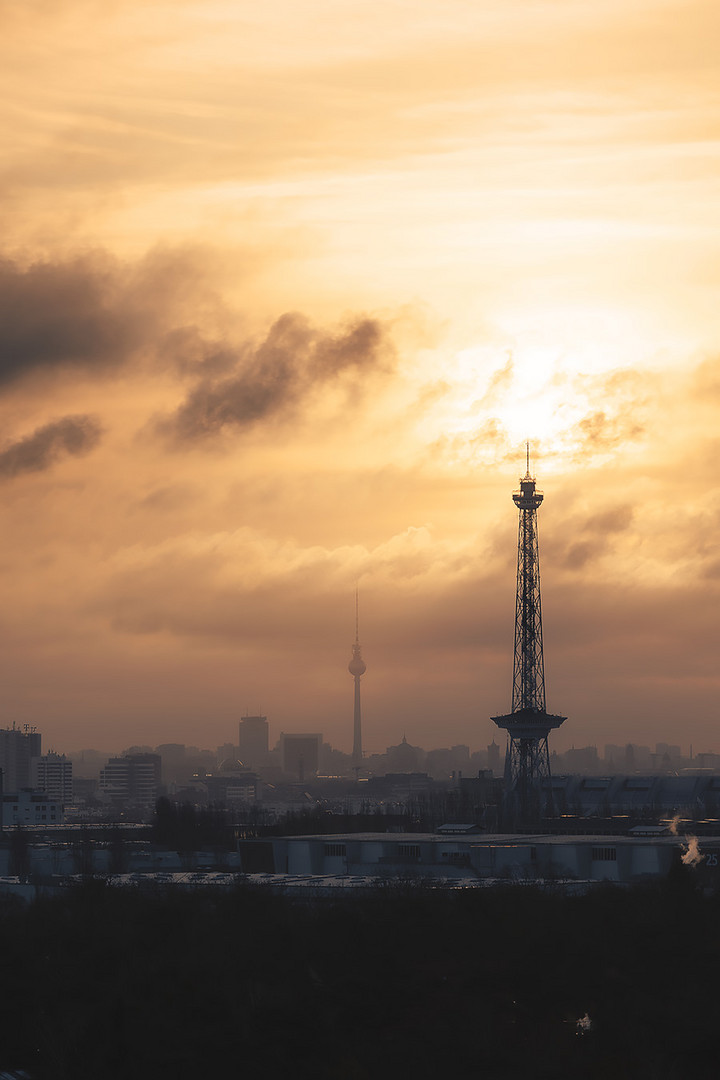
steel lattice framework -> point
(528, 666)
(527, 761)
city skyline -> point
(282, 300)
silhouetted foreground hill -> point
(104, 983)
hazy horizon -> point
(283, 292)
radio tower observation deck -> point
(527, 761)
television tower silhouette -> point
(527, 761)
(357, 668)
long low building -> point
(692, 791)
(424, 855)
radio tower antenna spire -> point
(527, 764)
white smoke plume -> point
(691, 848)
(691, 854)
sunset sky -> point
(284, 289)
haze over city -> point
(281, 301)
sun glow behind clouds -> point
(557, 376)
(529, 394)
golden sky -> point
(284, 288)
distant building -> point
(493, 759)
(480, 790)
(53, 774)
(397, 787)
(134, 778)
(445, 763)
(30, 808)
(229, 788)
(628, 757)
(365, 857)
(87, 763)
(691, 792)
(253, 740)
(708, 761)
(404, 757)
(174, 761)
(582, 759)
(228, 757)
(300, 754)
(17, 747)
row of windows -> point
(412, 851)
(409, 851)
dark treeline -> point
(184, 826)
(405, 982)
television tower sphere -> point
(357, 665)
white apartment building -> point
(52, 773)
(31, 809)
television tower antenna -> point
(527, 762)
(357, 668)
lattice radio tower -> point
(527, 761)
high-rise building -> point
(300, 754)
(53, 774)
(253, 741)
(18, 745)
(134, 778)
(357, 668)
(527, 761)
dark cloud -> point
(94, 313)
(185, 349)
(593, 536)
(613, 520)
(59, 314)
(70, 436)
(295, 359)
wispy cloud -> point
(71, 436)
(294, 360)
